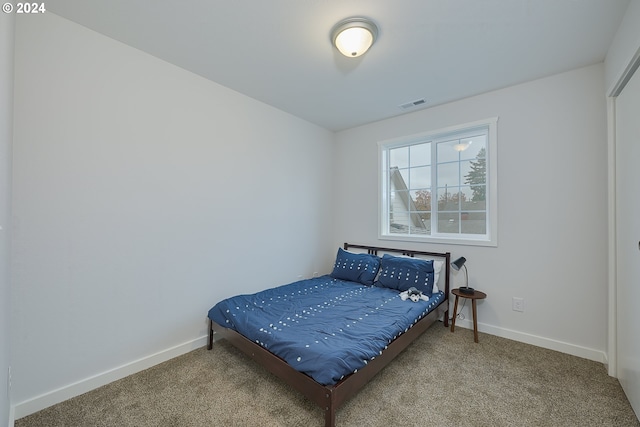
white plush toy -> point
(413, 294)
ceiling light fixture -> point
(354, 36)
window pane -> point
(399, 202)
(474, 171)
(420, 154)
(399, 223)
(420, 177)
(477, 147)
(446, 152)
(465, 168)
(399, 157)
(399, 178)
(465, 195)
(448, 199)
(404, 173)
(449, 223)
(422, 229)
(478, 195)
(421, 200)
(426, 221)
(416, 224)
(474, 222)
(448, 175)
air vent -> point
(413, 104)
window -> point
(440, 186)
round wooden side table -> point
(476, 295)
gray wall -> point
(552, 206)
(144, 195)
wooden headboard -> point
(376, 250)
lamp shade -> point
(457, 264)
(354, 36)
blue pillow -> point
(361, 268)
(402, 273)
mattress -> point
(324, 327)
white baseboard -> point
(12, 416)
(45, 400)
(563, 347)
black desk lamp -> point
(457, 265)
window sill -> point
(463, 240)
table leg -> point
(455, 310)
(475, 321)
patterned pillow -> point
(361, 268)
(402, 273)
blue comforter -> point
(324, 327)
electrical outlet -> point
(517, 304)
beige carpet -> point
(443, 379)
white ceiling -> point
(279, 52)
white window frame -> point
(491, 236)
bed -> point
(328, 336)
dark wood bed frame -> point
(331, 397)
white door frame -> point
(612, 310)
(612, 293)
